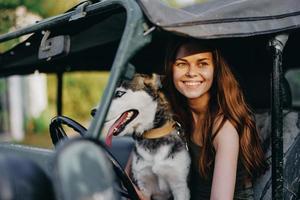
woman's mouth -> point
(192, 83)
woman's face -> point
(193, 71)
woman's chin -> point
(193, 95)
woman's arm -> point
(226, 144)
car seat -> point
(291, 147)
(23, 179)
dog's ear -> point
(157, 80)
(139, 79)
(154, 81)
(136, 82)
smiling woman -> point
(209, 103)
(186, 68)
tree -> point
(45, 8)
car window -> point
(4, 108)
(293, 77)
(28, 103)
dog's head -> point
(138, 105)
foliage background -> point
(81, 91)
(44, 8)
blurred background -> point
(28, 103)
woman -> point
(208, 102)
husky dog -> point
(160, 162)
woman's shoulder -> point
(224, 133)
(220, 123)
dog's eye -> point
(119, 93)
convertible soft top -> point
(226, 18)
(92, 31)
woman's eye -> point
(202, 64)
(119, 93)
(181, 65)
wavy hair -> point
(226, 102)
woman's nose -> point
(192, 71)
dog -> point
(160, 161)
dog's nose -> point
(93, 112)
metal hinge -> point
(80, 12)
(50, 47)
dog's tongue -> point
(115, 127)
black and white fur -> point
(159, 166)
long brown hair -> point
(226, 103)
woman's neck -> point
(199, 106)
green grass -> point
(37, 140)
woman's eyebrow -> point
(198, 60)
(180, 59)
(203, 59)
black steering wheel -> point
(57, 133)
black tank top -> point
(200, 187)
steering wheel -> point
(57, 133)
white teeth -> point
(192, 82)
(129, 115)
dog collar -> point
(162, 131)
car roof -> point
(95, 38)
(226, 18)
